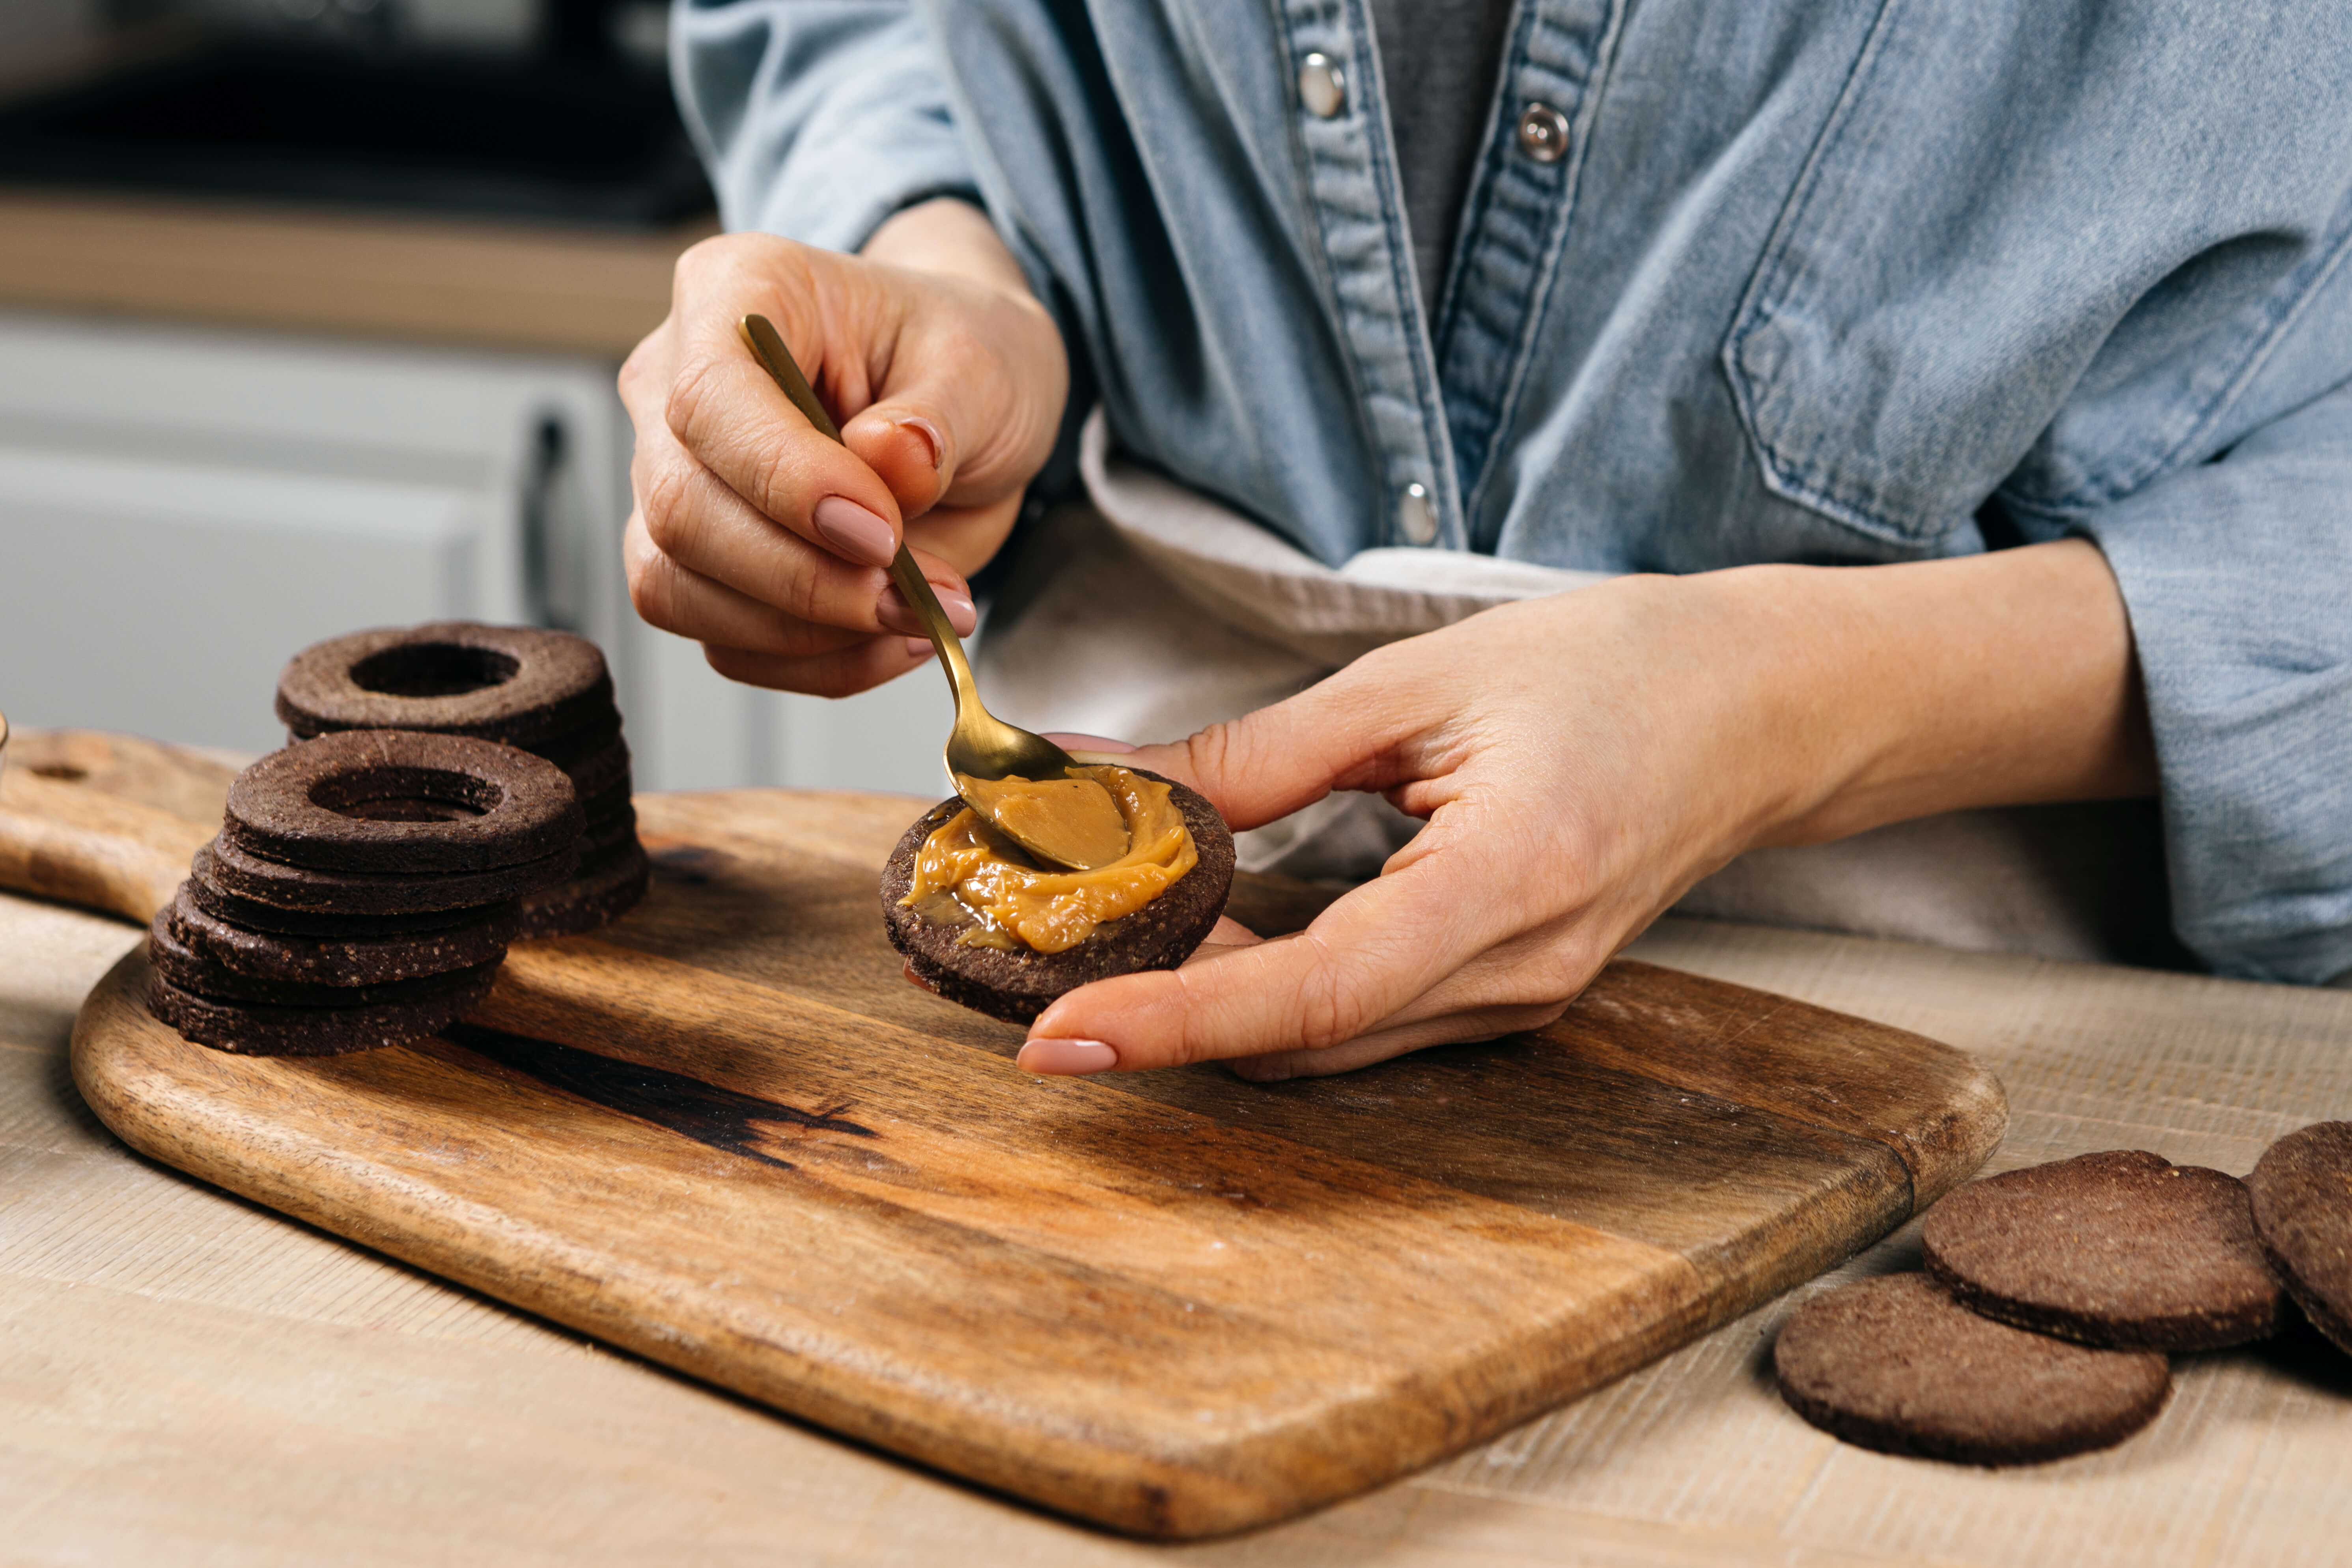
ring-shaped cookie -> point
(400, 801)
(199, 975)
(373, 893)
(516, 684)
(259, 1029)
(608, 886)
(600, 773)
(336, 960)
(204, 891)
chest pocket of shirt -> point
(2039, 245)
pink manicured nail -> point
(853, 530)
(918, 647)
(893, 611)
(962, 613)
(1067, 1058)
(1071, 740)
(929, 432)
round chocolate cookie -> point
(200, 976)
(608, 886)
(401, 801)
(2119, 1249)
(266, 955)
(603, 837)
(260, 1029)
(1018, 985)
(250, 877)
(203, 891)
(1897, 1365)
(2302, 1191)
(610, 806)
(516, 684)
(603, 771)
(574, 747)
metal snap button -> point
(1543, 133)
(1322, 85)
(1416, 517)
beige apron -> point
(1154, 611)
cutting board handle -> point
(107, 822)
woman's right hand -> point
(766, 542)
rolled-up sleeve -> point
(817, 119)
(2237, 578)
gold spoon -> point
(1064, 820)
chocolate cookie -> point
(1018, 985)
(299, 887)
(203, 890)
(608, 886)
(603, 772)
(401, 801)
(610, 806)
(266, 955)
(200, 976)
(574, 747)
(1897, 1365)
(259, 1029)
(2302, 1191)
(516, 684)
(2120, 1248)
(603, 837)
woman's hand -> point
(1580, 761)
(763, 541)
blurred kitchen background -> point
(309, 313)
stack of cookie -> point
(546, 692)
(2054, 1295)
(361, 892)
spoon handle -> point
(767, 346)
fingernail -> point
(853, 530)
(931, 435)
(1067, 1058)
(1071, 740)
(893, 611)
(962, 613)
(918, 647)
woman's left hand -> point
(1581, 760)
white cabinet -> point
(180, 510)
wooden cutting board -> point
(726, 1134)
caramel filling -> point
(967, 872)
(1072, 823)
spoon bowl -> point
(981, 746)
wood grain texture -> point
(725, 1134)
(104, 821)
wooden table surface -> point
(471, 282)
(187, 1378)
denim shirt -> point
(1838, 282)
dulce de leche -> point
(968, 874)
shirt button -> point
(1543, 133)
(1322, 86)
(1415, 516)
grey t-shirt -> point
(1438, 60)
